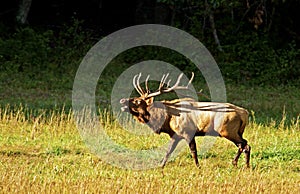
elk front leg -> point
(193, 149)
(173, 143)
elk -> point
(186, 118)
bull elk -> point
(185, 118)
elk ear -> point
(149, 100)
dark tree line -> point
(250, 39)
(276, 17)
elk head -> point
(139, 106)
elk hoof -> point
(234, 163)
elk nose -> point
(123, 100)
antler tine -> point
(166, 78)
(137, 88)
(192, 77)
(163, 81)
(138, 84)
(204, 95)
(168, 84)
(146, 85)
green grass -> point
(46, 154)
(41, 149)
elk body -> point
(186, 118)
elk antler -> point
(161, 89)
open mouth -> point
(125, 109)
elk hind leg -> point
(193, 149)
(238, 154)
(242, 147)
(247, 150)
(239, 142)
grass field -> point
(41, 150)
(46, 154)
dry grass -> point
(46, 155)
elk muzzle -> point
(125, 105)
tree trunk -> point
(23, 11)
(212, 25)
(214, 30)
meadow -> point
(42, 151)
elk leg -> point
(193, 149)
(242, 147)
(247, 150)
(238, 154)
(173, 143)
